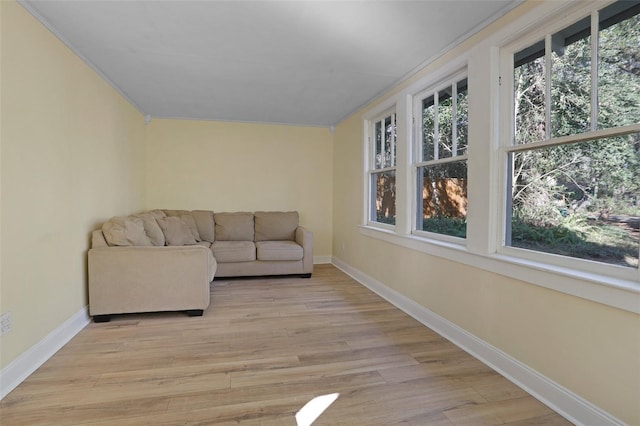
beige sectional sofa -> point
(164, 260)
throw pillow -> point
(190, 221)
(204, 221)
(152, 229)
(176, 232)
(175, 212)
(125, 231)
(157, 214)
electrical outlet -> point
(5, 323)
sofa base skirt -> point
(260, 268)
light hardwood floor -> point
(263, 349)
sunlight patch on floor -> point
(314, 408)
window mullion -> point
(454, 119)
(385, 169)
(442, 161)
(372, 148)
(374, 145)
(594, 69)
(436, 127)
(393, 140)
(547, 86)
(383, 144)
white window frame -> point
(417, 135)
(484, 60)
(508, 145)
(370, 166)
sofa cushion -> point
(234, 251)
(175, 212)
(151, 228)
(205, 224)
(125, 231)
(234, 226)
(276, 226)
(190, 221)
(176, 231)
(278, 250)
(157, 213)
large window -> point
(441, 159)
(382, 174)
(520, 154)
(574, 161)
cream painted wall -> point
(589, 348)
(227, 166)
(72, 156)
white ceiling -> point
(294, 62)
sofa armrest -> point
(149, 279)
(304, 237)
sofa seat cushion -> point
(206, 244)
(278, 250)
(234, 251)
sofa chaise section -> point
(136, 279)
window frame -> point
(508, 144)
(483, 58)
(370, 164)
(418, 161)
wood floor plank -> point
(263, 349)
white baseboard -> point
(566, 403)
(321, 260)
(23, 366)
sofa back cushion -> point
(276, 226)
(125, 231)
(205, 224)
(234, 226)
(176, 231)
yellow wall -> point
(72, 156)
(73, 152)
(226, 166)
(589, 348)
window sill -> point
(618, 293)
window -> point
(573, 184)
(382, 174)
(441, 159)
(554, 122)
